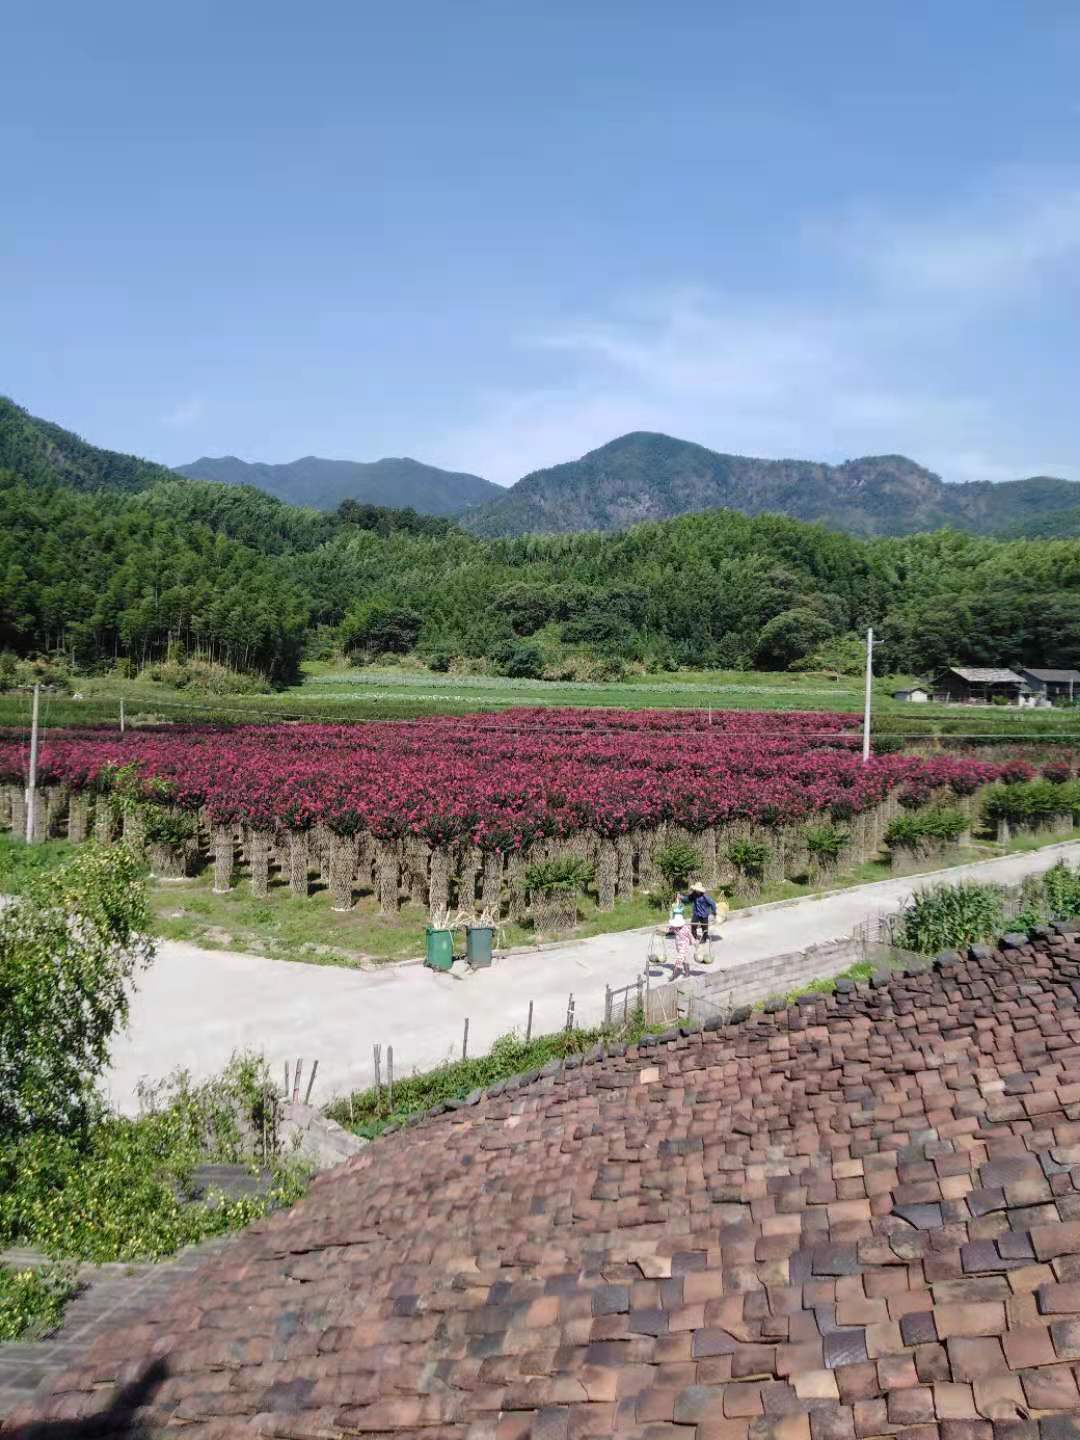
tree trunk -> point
(491, 884)
(365, 857)
(439, 881)
(516, 866)
(56, 803)
(471, 863)
(298, 862)
(342, 862)
(651, 843)
(224, 858)
(320, 851)
(104, 820)
(79, 817)
(707, 846)
(17, 811)
(388, 867)
(1004, 834)
(417, 856)
(168, 862)
(607, 870)
(624, 851)
(134, 828)
(259, 846)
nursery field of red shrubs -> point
(455, 810)
(501, 781)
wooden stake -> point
(311, 1082)
(528, 1027)
(377, 1049)
(296, 1080)
(390, 1078)
(465, 1041)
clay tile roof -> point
(986, 675)
(1058, 677)
(857, 1217)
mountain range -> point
(637, 477)
(325, 483)
(646, 476)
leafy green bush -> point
(164, 825)
(32, 1301)
(916, 829)
(69, 950)
(566, 876)
(677, 861)
(943, 917)
(826, 842)
(525, 662)
(1031, 802)
(21, 864)
(749, 857)
(121, 1189)
(1061, 889)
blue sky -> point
(496, 235)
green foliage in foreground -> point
(32, 1301)
(1032, 802)
(677, 862)
(826, 842)
(122, 1189)
(936, 826)
(566, 876)
(368, 1111)
(70, 949)
(945, 917)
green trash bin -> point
(439, 949)
(478, 942)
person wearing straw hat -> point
(703, 908)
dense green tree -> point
(380, 627)
(232, 575)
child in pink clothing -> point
(684, 942)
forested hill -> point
(40, 452)
(636, 478)
(234, 575)
(325, 483)
(644, 476)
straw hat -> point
(696, 887)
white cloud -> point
(988, 249)
(902, 359)
(185, 413)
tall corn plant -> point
(943, 917)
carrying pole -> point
(31, 784)
(869, 690)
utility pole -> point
(31, 787)
(869, 685)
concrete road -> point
(196, 1007)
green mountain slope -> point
(645, 476)
(40, 451)
(325, 483)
